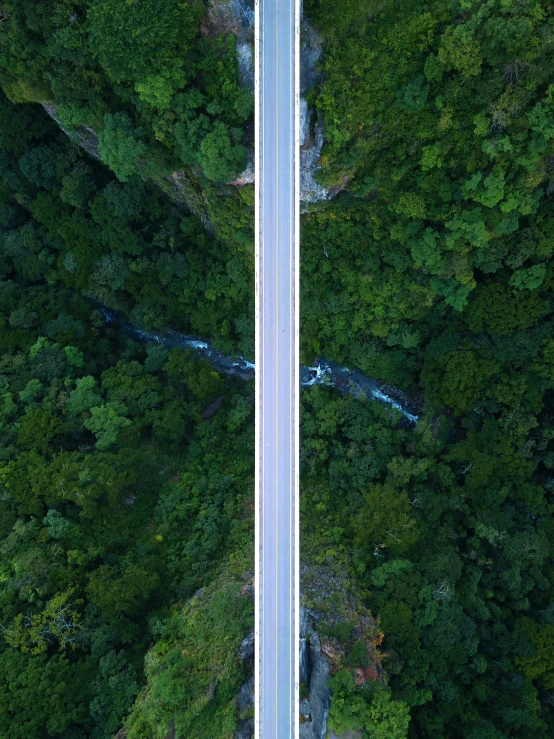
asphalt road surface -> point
(277, 638)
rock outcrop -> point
(314, 671)
(311, 127)
(237, 16)
(316, 708)
(84, 136)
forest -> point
(126, 470)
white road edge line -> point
(277, 385)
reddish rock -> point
(377, 639)
(333, 653)
(371, 673)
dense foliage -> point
(438, 121)
(432, 270)
(72, 224)
(193, 672)
(119, 493)
(126, 471)
(161, 93)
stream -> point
(322, 373)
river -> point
(321, 373)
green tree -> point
(38, 428)
(84, 397)
(538, 666)
(137, 41)
(121, 590)
(59, 623)
(114, 688)
(222, 157)
(123, 150)
(105, 422)
(384, 520)
(43, 693)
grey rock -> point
(243, 11)
(319, 694)
(307, 731)
(310, 152)
(245, 698)
(312, 660)
(305, 709)
(245, 729)
(307, 728)
(84, 136)
(246, 650)
(245, 61)
(235, 16)
(304, 661)
(311, 48)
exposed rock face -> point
(311, 48)
(245, 698)
(243, 11)
(83, 136)
(245, 729)
(310, 151)
(234, 16)
(184, 190)
(304, 660)
(314, 671)
(247, 647)
(311, 128)
(315, 727)
(237, 16)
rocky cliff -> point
(314, 672)
(237, 17)
(330, 606)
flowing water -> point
(322, 373)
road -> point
(277, 362)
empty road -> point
(277, 362)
